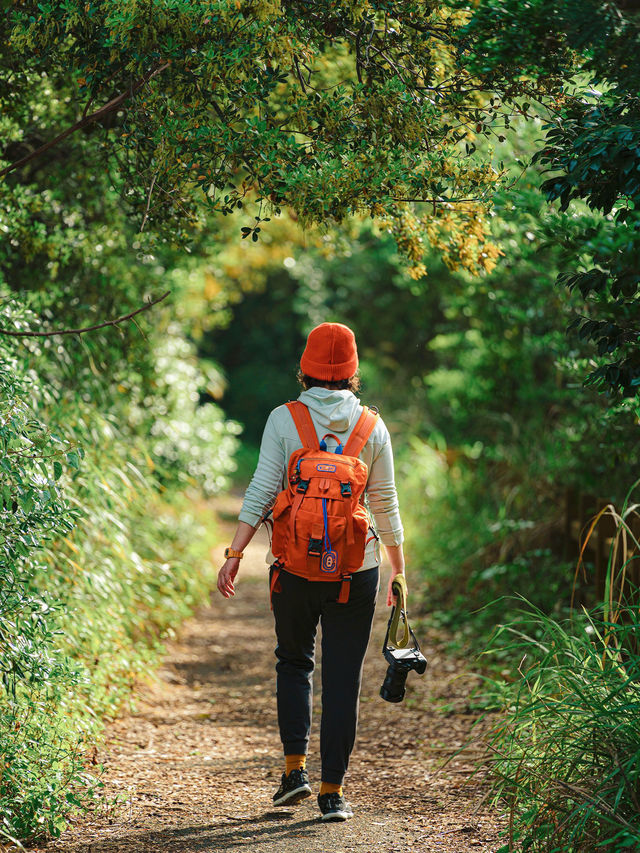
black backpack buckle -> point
(315, 547)
(303, 485)
(345, 490)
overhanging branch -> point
(112, 105)
(28, 334)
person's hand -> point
(391, 598)
(226, 576)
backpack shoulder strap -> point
(361, 432)
(304, 424)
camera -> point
(402, 659)
(401, 662)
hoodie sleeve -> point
(382, 495)
(267, 479)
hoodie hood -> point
(333, 410)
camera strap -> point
(399, 587)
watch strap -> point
(231, 552)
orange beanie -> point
(330, 353)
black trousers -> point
(298, 609)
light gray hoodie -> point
(332, 412)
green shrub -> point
(189, 443)
(473, 535)
(103, 548)
(39, 750)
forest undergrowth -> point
(560, 657)
(103, 552)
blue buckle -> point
(323, 444)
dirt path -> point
(197, 763)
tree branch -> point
(146, 213)
(109, 107)
(297, 67)
(16, 334)
(93, 97)
(439, 200)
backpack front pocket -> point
(311, 538)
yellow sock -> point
(330, 788)
(295, 762)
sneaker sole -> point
(336, 816)
(293, 797)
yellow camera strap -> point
(399, 588)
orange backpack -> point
(320, 523)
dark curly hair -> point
(350, 384)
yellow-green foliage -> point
(329, 109)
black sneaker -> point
(293, 788)
(334, 807)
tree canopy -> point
(169, 112)
(591, 151)
(328, 109)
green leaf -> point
(73, 459)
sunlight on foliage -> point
(99, 556)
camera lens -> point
(393, 686)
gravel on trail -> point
(195, 764)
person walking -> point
(343, 603)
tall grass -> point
(565, 754)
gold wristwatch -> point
(231, 552)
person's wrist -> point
(233, 553)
